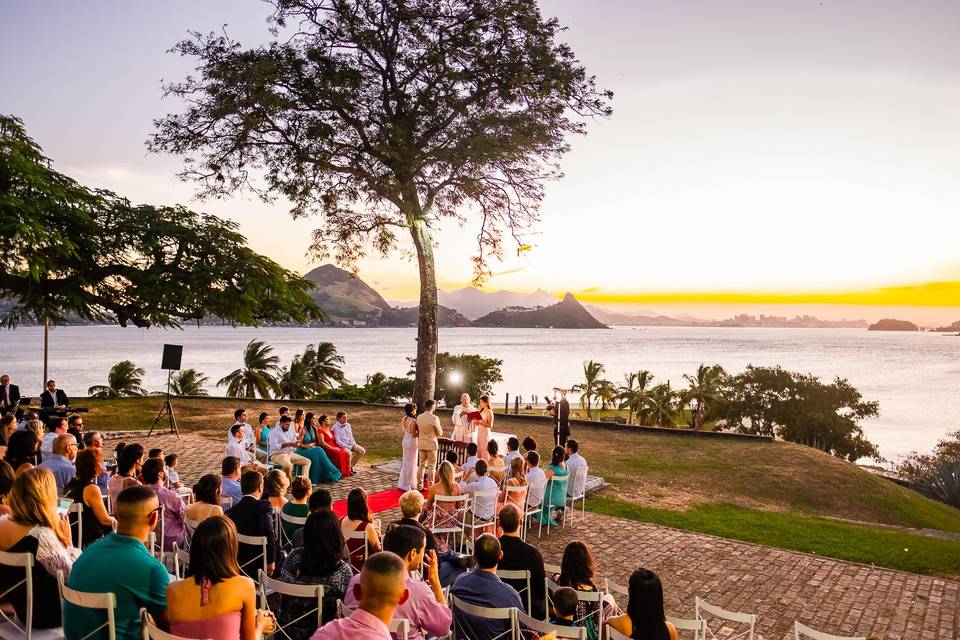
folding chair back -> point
(801, 631)
(576, 490)
(12, 627)
(106, 601)
(750, 619)
(447, 516)
(532, 505)
(151, 631)
(699, 627)
(473, 523)
(226, 502)
(75, 517)
(181, 562)
(308, 591)
(186, 494)
(507, 614)
(517, 575)
(250, 567)
(582, 596)
(514, 495)
(541, 628)
(286, 541)
(356, 535)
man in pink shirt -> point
(425, 607)
(382, 588)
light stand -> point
(167, 408)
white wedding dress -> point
(408, 468)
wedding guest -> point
(297, 508)
(408, 466)
(482, 587)
(516, 478)
(576, 464)
(173, 478)
(283, 441)
(22, 450)
(6, 482)
(75, 428)
(382, 588)
(128, 468)
(254, 517)
(284, 411)
(95, 439)
(482, 506)
(577, 572)
(55, 427)
(240, 418)
(61, 461)
(8, 426)
(645, 617)
(359, 518)
(536, 478)
(215, 601)
(141, 584)
(520, 556)
(238, 449)
(564, 607)
(555, 495)
(470, 462)
(339, 456)
(156, 453)
(174, 528)
(343, 436)
(83, 489)
(206, 499)
(529, 444)
(262, 432)
(35, 528)
(318, 561)
(230, 479)
(275, 485)
(496, 466)
(513, 451)
(428, 430)
(320, 500)
(425, 606)
(445, 516)
(311, 445)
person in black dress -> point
(83, 489)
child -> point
(173, 478)
(155, 453)
(471, 461)
(564, 607)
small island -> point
(955, 327)
(566, 314)
(889, 324)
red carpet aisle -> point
(380, 501)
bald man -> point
(61, 461)
(383, 586)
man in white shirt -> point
(237, 448)
(460, 423)
(577, 466)
(249, 439)
(282, 442)
(56, 427)
(536, 478)
(513, 451)
(284, 411)
(483, 506)
(471, 460)
(343, 435)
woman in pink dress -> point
(484, 425)
(339, 456)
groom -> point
(561, 430)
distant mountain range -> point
(473, 302)
(566, 314)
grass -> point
(773, 493)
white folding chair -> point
(516, 575)
(532, 506)
(356, 535)
(186, 494)
(105, 601)
(498, 472)
(576, 490)
(10, 629)
(549, 492)
(250, 567)
(77, 508)
(307, 591)
(155, 539)
(515, 496)
(541, 628)
(451, 516)
(286, 541)
(583, 596)
(472, 523)
(151, 631)
(399, 627)
(225, 503)
(701, 606)
(181, 562)
(801, 630)
(699, 627)
(507, 614)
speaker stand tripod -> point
(167, 409)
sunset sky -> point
(780, 152)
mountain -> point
(566, 314)
(642, 319)
(950, 328)
(888, 324)
(473, 302)
(446, 317)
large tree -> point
(70, 250)
(386, 117)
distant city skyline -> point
(776, 157)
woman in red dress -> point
(339, 456)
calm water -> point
(914, 376)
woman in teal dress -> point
(263, 432)
(555, 495)
(321, 469)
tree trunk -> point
(427, 334)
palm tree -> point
(125, 380)
(661, 402)
(633, 395)
(324, 366)
(258, 374)
(705, 386)
(606, 393)
(295, 381)
(189, 382)
(588, 389)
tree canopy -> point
(73, 250)
(383, 118)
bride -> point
(408, 468)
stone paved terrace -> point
(779, 586)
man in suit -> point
(561, 430)
(428, 426)
(254, 517)
(9, 397)
(53, 397)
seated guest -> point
(215, 602)
(8, 426)
(359, 518)
(513, 451)
(55, 427)
(249, 439)
(536, 478)
(425, 606)
(297, 508)
(529, 444)
(644, 617)
(170, 467)
(471, 461)
(451, 457)
(230, 474)
(95, 439)
(483, 507)
(128, 468)
(564, 607)
(320, 500)
(83, 489)
(174, 528)
(275, 485)
(6, 482)
(75, 428)
(555, 495)
(382, 588)
(343, 436)
(495, 461)
(520, 556)
(445, 515)
(577, 572)
(284, 411)
(35, 528)
(22, 450)
(206, 499)
(575, 462)
(516, 479)
(262, 432)
(318, 562)
(155, 453)
(411, 508)
(53, 398)
(254, 517)
(452, 564)
(29, 416)
(142, 583)
(482, 587)
(283, 443)
(239, 450)
(60, 461)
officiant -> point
(462, 428)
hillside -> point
(473, 302)
(949, 328)
(889, 324)
(566, 314)
(446, 317)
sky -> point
(797, 153)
